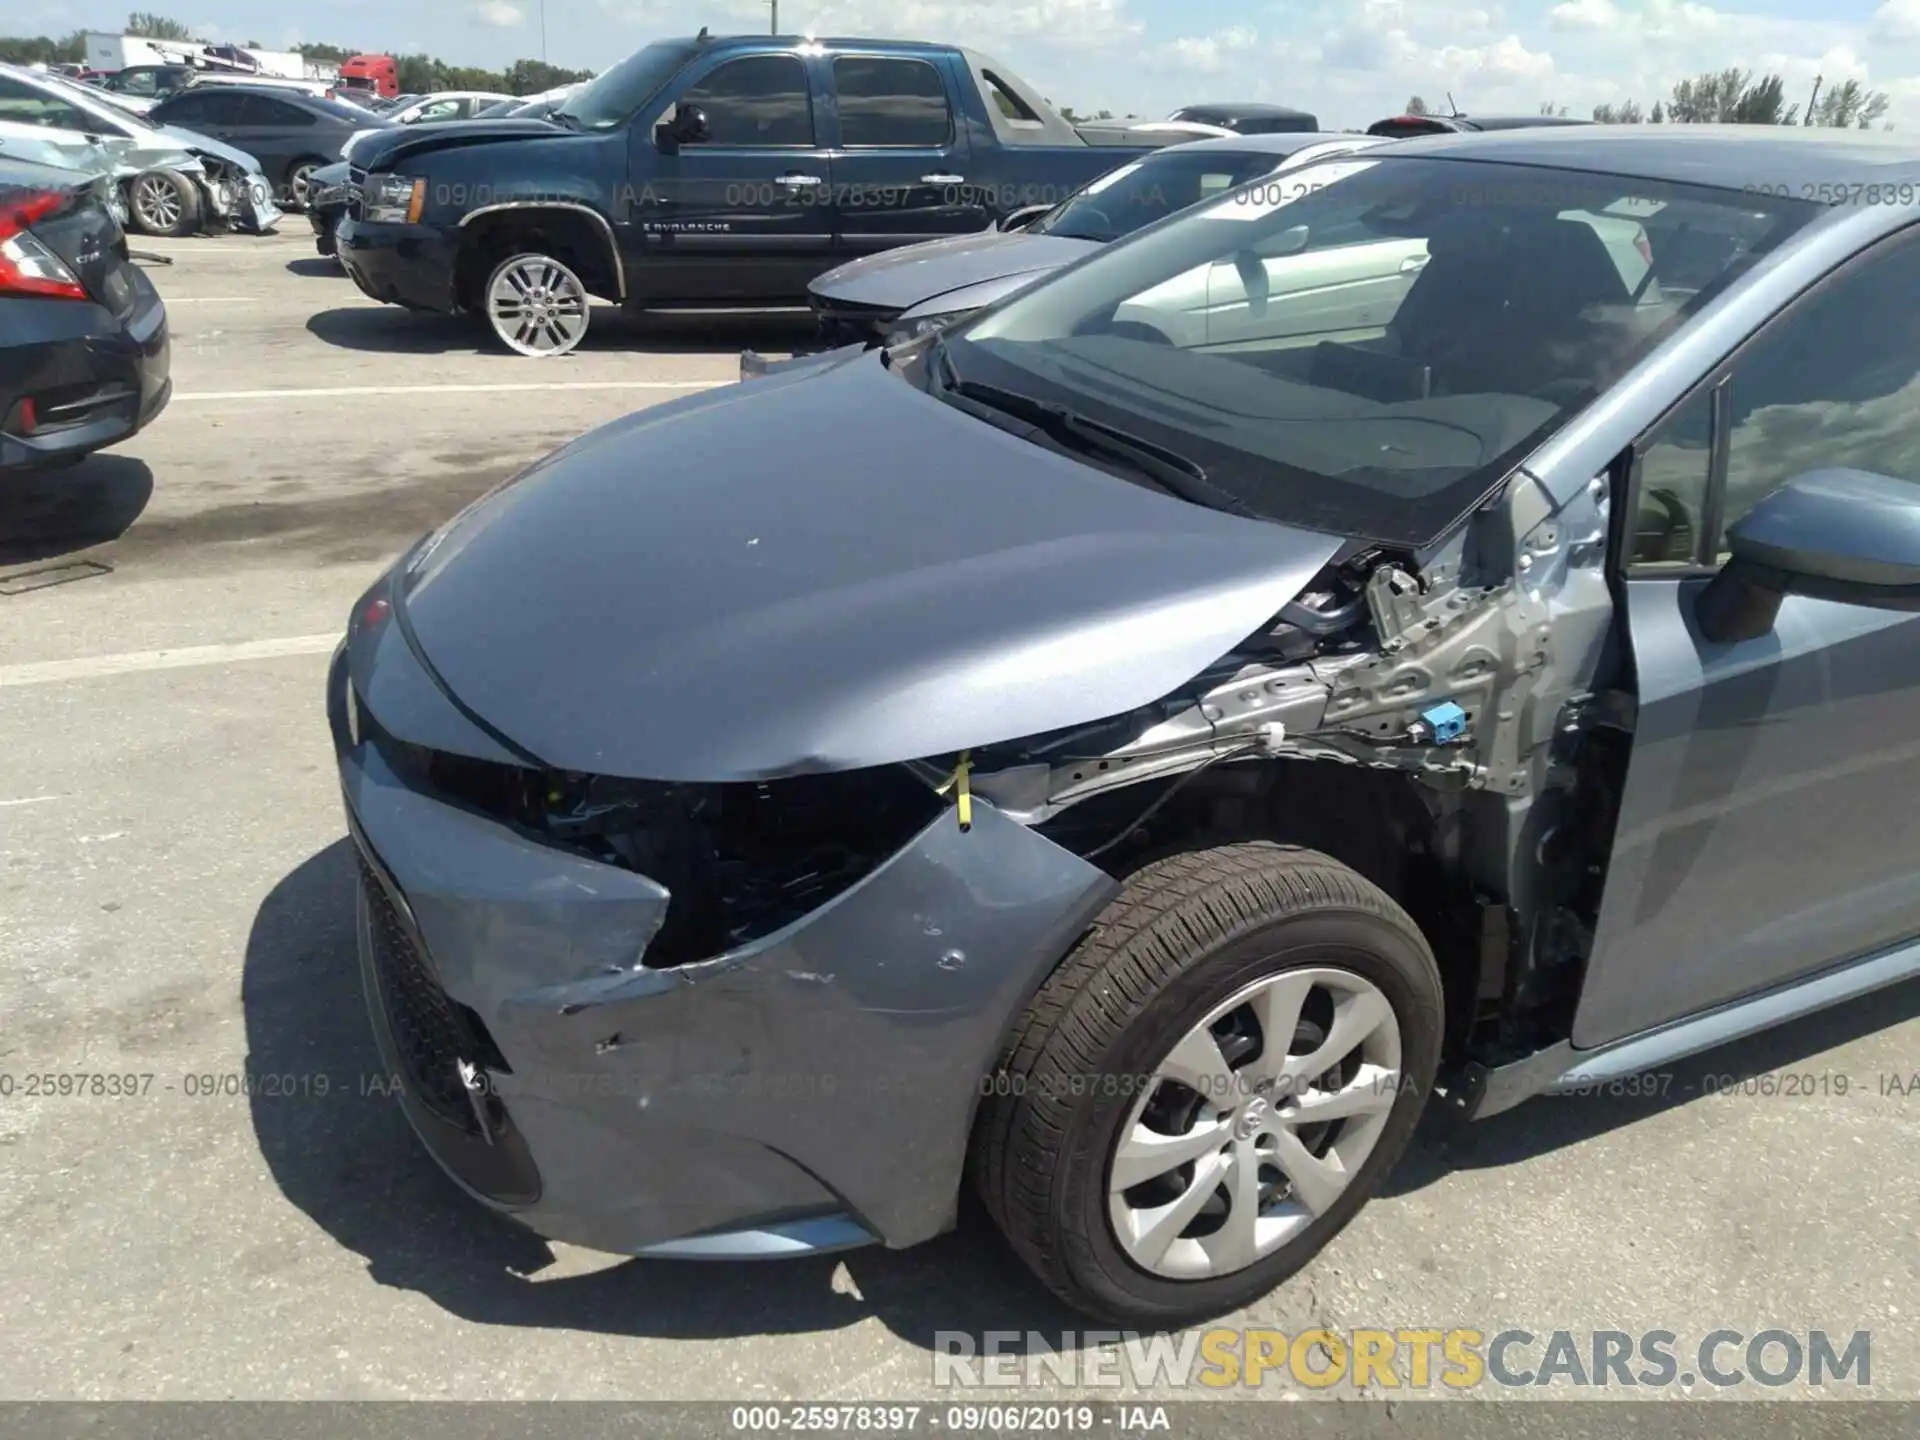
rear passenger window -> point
(891, 103)
(265, 110)
(756, 101)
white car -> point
(1283, 292)
(446, 105)
(171, 180)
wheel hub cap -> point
(1254, 1124)
(1252, 1118)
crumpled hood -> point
(900, 278)
(825, 570)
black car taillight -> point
(28, 267)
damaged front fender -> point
(830, 1069)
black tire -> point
(163, 203)
(1185, 933)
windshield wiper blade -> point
(1171, 471)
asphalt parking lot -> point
(176, 902)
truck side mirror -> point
(1845, 535)
(686, 126)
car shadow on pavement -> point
(1771, 1067)
(46, 514)
(317, 267)
(349, 1161)
(391, 330)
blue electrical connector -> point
(1446, 722)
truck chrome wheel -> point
(1254, 1123)
(537, 305)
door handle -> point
(796, 182)
(1414, 263)
(943, 179)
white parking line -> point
(29, 800)
(333, 391)
(43, 672)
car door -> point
(213, 111)
(278, 132)
(1767, 826)
(900, 161)
(742, 214)
(55, 126)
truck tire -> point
(1145, 1146)
(164, 203)
(536, 304)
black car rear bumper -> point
(87, 379)
(408, 265)
(805, 1092)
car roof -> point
(1250, 110)
(1280, 145)
(1760, 159)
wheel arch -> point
(574, 226)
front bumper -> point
(810, 1090)
(409, 265)
(99, 380)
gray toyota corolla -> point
(1442, 625)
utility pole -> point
(774, 28)
(543, 32)
(1811, 98)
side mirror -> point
(1844, 535)
(1023, 217)
(686, 126)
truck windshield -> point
(1134, 196)
(1369, 346)
(610, 99)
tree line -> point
(1737, 97)
(418, 74)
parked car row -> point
(168, 179)
(1436, 620)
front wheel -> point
(164, 203)
(1211, 1085)
(536, 305)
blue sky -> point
(1351, 61)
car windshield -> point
(1368, 346)
(610, 99)
(1134, 196)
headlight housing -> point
(913, 329)
(394, 199)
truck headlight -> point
(394, 199)
(913, 329)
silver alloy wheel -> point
(300, 185)
(156, 204)
(1221, 1162)
(537, 305)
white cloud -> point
(1212, 54)
(1898, 19)
(499, 14)
(1586, 15)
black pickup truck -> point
(713, 171)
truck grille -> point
(429, 1031)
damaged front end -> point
(754, 1016)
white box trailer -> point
(107, 51)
